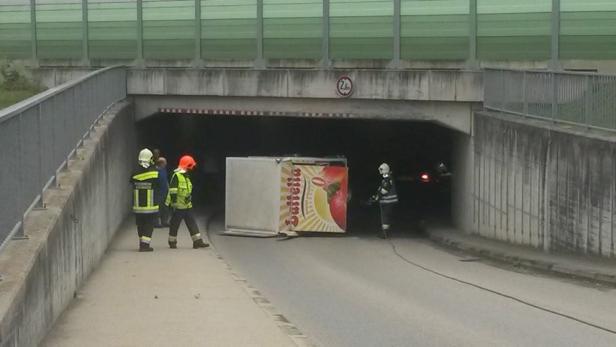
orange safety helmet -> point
(187, 163)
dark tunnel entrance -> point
(412, 149)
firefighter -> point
(145, 184)
(179, 199)
(387, 197)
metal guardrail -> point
(583, 99)
(39, 135)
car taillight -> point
(424, 177)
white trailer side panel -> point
(252, 202)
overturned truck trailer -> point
(268, 196)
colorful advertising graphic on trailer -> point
(268, 196)
(313, 197)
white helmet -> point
(442, 168)
(145, 158)
(384, 169)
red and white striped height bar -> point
(220, 112)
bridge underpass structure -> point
(442, 96)
(484, 147)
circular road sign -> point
(344, 86)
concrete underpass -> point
(78, 280)
(340, 291)
(514, 244)
(411, 148)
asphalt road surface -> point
(359, 290)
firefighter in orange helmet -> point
(179, 199)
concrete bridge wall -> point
(442, 96)
(454, 115)
(40, 276)
(445, 97)
(462, 192)
(421, 85)
(544, 186)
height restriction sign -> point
(344, 86)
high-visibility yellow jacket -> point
(180, 191)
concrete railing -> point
(39, 135)
(67, 239)
(565, 97)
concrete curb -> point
(516, 260)
(286, 326)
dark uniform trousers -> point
(387, 211)
(163, 214)
(145, 224)
(188, 217)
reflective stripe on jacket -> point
(180, 191)
(144, 185)
(387, 191)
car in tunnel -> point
(425, 187)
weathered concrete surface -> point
(443, 96)
(594, 269)
(545, 186)
(455, 115)
(53, 77)
(66, 241)
(171, 297)
(462, 181)
(423, 85)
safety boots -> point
(173, 242)
(200, 244)
(197, 243)
(145, 247)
